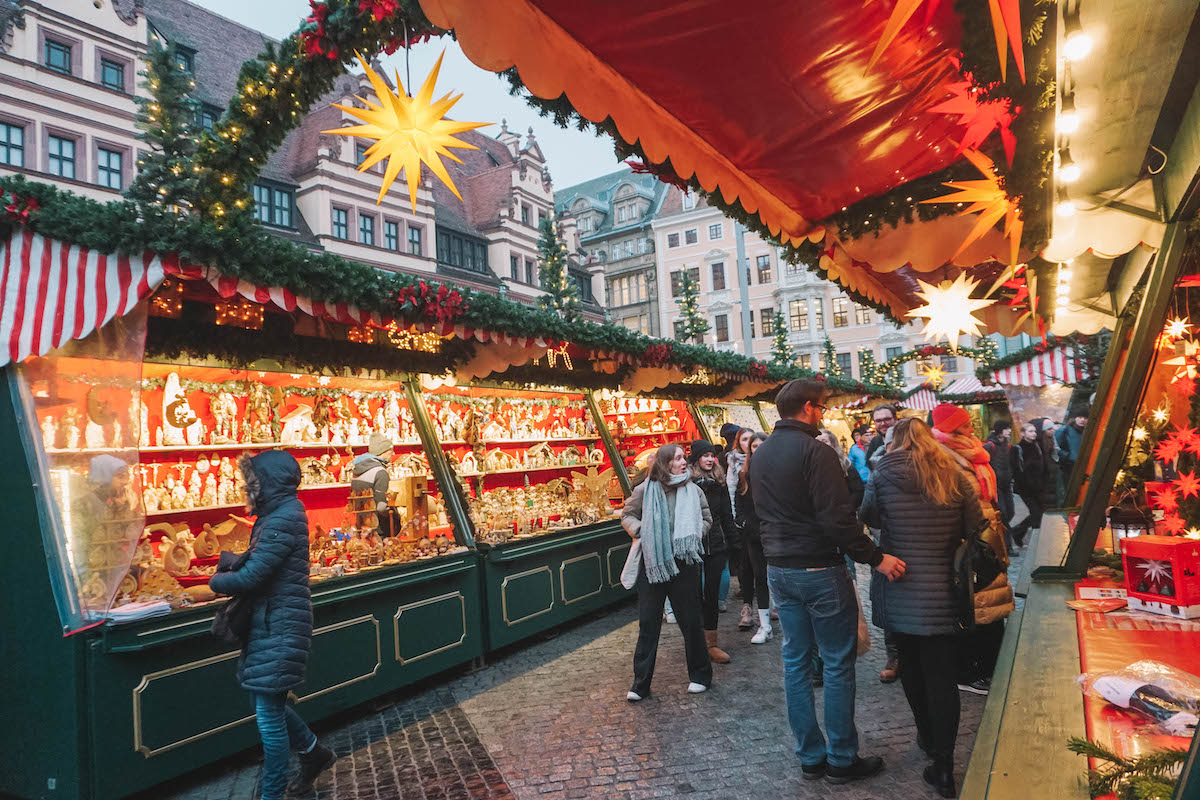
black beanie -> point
(729, 431)
(699, 448)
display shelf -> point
(198, 448)
(539, 441)
(531, 469)
(169, 511)
(628, 434)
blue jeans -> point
(818, 606)
(281, 731)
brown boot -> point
(715, 653)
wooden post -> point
(1129, 375)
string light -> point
(240, 313)
(1068, 170)
(403, 339)
(167, 300)
(1076, 43)
(360, 334)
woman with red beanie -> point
(952, 428)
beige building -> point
(68, 79)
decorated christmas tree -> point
(694, 323)
(781, 349)
(562, 294)
(832, 368)
(166, 176)
(869, 370)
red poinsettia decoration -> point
(757, 370)
(378, 9)
(314, 36)
(395, 43)
(656, 355)
(16, 208)
(1187, 483)
(441, 305)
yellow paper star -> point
(988, 197)
(948, 309)
(409, 131)
(934, 375)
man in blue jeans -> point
(808, 526)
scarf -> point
(664, 540)
(972, 451)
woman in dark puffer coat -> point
(925, 506)
(721, 538)
(273, 576)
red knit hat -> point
(948, 418)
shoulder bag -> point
(974, 568)
(231, 623)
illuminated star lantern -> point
(1173, 524)
(1006, 29)
(1161, 415)
(1177, 328)
(1188, 484)
(988, 197)
(948, 309)
(409, 131)
(934, 375)
(1185, 359)
(1166, 500)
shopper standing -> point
(272, 575)
(925, 507)
(669, 515)
(999, 451)
(808, 526)
(739, 562)
(885, 417)
(747, 522)
(1029, 476)
(858, 453)
(721, 538)
(1069, 439)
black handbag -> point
(975, 566)
(231, 622)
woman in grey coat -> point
(925, 507)
(273, 576)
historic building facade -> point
(67, 111)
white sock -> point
(764, 619)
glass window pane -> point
(61, 156)
(58, 56)
(12, 145)
(112, 74)
(108, 163)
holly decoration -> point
(562, 293)
(440, 304)
(18, 208)
(694, 323)
(166, 175)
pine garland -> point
(167, 173)
(1149, 776)
(562, 294)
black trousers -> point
(683, 589)
(930, 684)
(753, 576)
(710, 600)
(1036, 508)
(979, 650)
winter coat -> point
(1028, 468)
(996, 601)
(274, 578)
(370, 472)
(856, 486)
(631, 513)
(722, 536)
(747, 516)
(922, 535)
(736, 461)
(1001, 453)
(1069, 440)
(858, 458)
(805, 516)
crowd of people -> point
(792, 513)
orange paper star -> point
(986, 196)
(1006, 25)
(1174, 524)
(979, 118)
(1169, 449)
(1166, 500)
(1188, 484)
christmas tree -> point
(869, 371)
(781, 349)
(832, 368)
(562, 294)
(165, 176)
(694, 323)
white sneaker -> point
(697, 688)
(723, 607)
(670, 617)
(632, 696)
(762, 635)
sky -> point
(571, 156)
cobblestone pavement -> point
(548, 721)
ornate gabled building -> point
(607, 221)
(67, 110)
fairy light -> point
(360, 334)
(168, 300)
(240, 313)
(402, 339)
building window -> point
(360, 153)
(843, 360)
(541, 217)
(768, 321)
(640, 323)
(764, 268)
(819, 313)
(677, 280)
(108, 168)
(621, 214)
(718, 276)
(689, 200)
(862, 315)
(841, 317)
(892, 352)
(627, 289)
(672, 240)
(391, 235)
(752, 333)
(514, 267)
(61, 153)
(584, 284)
(794, 268)
(12, 145)
(679, 330)
(949, 364)
(798, 315)
(805, 361)
(414, 241)
(458, 251)
(273, 206)
(185, 57)
(716, 230)
(691, 236)
(531, 276)
(57, 56)
(366, 229)
(526, 213)
(207, 116)
(112, 74)
(341, 223)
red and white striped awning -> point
(921, 400)
(854, 403)
(52, 292)
(970, 385)
(1055, 366)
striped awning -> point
(921, 400)
(1055, 366)
(52, 292)
(970, 385)
(854, 403)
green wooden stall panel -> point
(580, 577)
(430, 627)
(615, 557)
(526, 595)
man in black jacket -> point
(808, 526)
(884, 417)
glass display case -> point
(530, 462)
(640, 425)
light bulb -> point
(1068, 170)
(1068, 117)
(1076, 44)
(1064, 207)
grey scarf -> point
(665, 540)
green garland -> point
(973, 398)
(1149, 776)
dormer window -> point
(689, 200)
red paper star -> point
(1174, 524)
(1169, 448)
(1188, 484)
(1166, 500)
(980, 118)
(1184, 385)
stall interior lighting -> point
(426, 342)
(1077, 44)
(1068, 170)
(1068, 117)
(240, 313)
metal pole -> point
(743, 268)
